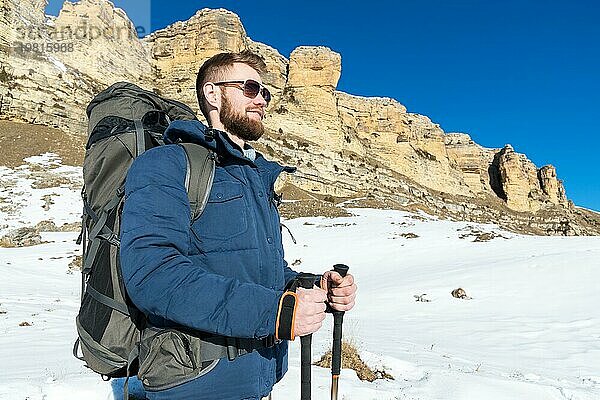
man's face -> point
(240, 115)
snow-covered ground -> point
(530, 331)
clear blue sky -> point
(520, 72)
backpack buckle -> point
(209, 134)
(232, 349)
(113, 239)
(270, 341)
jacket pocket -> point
(225, 215)
(167, 359)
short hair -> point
(215, 67)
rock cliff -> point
(344, 145)
(52, 67)
(105, 43)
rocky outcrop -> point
(409, 144)
(21, 237)
(308, 102)
(277, 65)
(344, 145)
(19, 20)
(178, 51)
(519, 180)
(552, 186)
(48, 94)
(472, 159)
(101, 42)
(525, 187)
(36, 82)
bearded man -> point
(217, 283)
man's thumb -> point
(335, 277)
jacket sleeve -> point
(159, 277)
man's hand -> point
(310, 310)
(341, 292)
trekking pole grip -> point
(307, 282)
(341, 269)
(336, 358)
(338, 320)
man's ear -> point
(212, 95)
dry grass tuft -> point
(311, 208)
(76, 263)
(351, 359)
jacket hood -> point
(196, 132)
(189, 131)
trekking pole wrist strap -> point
(286, 314)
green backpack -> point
(124, 121)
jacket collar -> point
(219, 142)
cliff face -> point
(344, 145)
(177, 51)
(526, 188)
(105, 43)
(53, 66)
(472, 160)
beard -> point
(239, 124)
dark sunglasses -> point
(250, 87)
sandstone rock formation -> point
(54, 66)
(344, 145)
(310, 90)
(473, 161)
(35, 85)
(178, 51)
(552, 186)
(105, 42)
(524, 186)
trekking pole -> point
(306, 281)
(336, 351)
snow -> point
(586, 209)
(530, 331)
(22, 204)
(24, 20)
(57, 64)
(531, 327)
(50, 20)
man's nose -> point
(259, 100)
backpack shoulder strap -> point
(199, 176)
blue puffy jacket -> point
(222, 275)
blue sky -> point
(520, 72)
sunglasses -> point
(250, 87)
